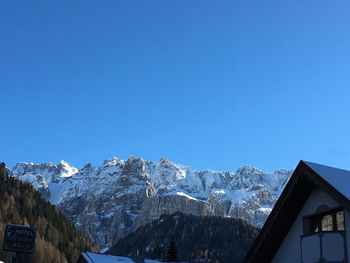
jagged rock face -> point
(156, 206)
(107, 202)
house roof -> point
(100, 258)
(306, 177)
(338, 178)
(90, 257)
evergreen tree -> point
(171, 255)
(3, 169)
(157, 252)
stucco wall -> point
(347, 228)
(290, 248)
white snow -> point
(186, 195)
(265, 209)
(338, 178)
(219, 192)
(103, 250)
(99, 258)
(56, 192)
(68, 169)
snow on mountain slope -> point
(106, 202)
(49, 179)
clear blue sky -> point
(210, 84)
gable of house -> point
(286, 231)
(295, 247)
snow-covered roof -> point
(100, 258)
(338, 178)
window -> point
(327, 221)
(340, 221)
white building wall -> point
(347, 228)
(289, 251)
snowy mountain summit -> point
(109, 201)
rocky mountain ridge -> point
(109, 201)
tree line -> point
(57, 240)
(189, 238)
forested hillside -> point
(57, 239)
(198, 239)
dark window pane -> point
(315, 223)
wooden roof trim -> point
(294, 179)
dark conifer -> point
(3, 171)
(172, 251)
(157, 252)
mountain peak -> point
(66, 169)
(248, 169)
(113, 161)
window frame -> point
(333, 212)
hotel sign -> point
(19, 238)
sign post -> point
(19, 238)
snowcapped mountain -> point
(109, 201)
